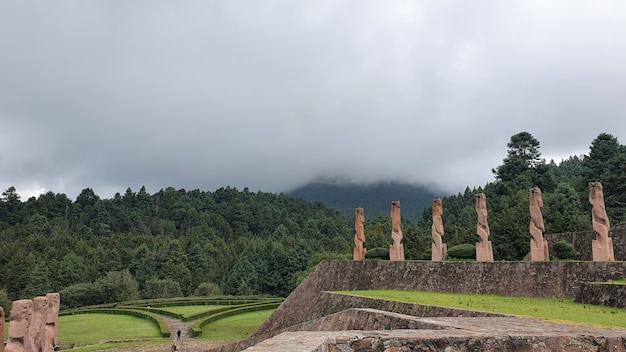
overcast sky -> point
(273, 94)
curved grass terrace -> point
(128, 324)
(235, 327)
(553, 309)
(110, 329)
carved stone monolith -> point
(439, 249)
(37, 329)
(538, 246)
(484, 250)
(19, 338)
(359, 236)
(52, 314)
(1, 329)
(396, 250)
(602, 246)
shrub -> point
(117, 286)
(5, 302)
(208, 289)
(377, 253)
(564, 250)
(165, 288)
(80, 295)
(462, 251)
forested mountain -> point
(177, 242)
(173, 242)
(375, 198)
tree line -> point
(170, 243)
(177, 242)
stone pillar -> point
(538, 246)
(396, 250)
(19, 338)
(484, 251)
(37, 329)
(52, 317)
(602, 246)
(1, 329)
(439, 249)
(359, 237)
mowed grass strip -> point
(189, 310)
(556, 309)
(95, 328)
(236, 327)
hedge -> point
(462, 251)
(196, 329)
(155, 318)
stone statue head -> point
(535, 197)
(40, 304)
(595, 190)
(359, 214)
(437, 206)
(481, 199)
(596, 185)
(54, 304)
(21, 312)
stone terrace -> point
(397, 326)
(450, 334)
(527, 279)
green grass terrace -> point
(553, 309)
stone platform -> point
(441, 333)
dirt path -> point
(175, 325)
(189, 345)
(185, 344)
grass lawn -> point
(90, 329)
(188, 310)
(555, 309)
(236, 327)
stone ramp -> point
(366, 319)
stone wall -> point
(601, 293)
(529, 279)
(582, 242)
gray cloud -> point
(270, 95)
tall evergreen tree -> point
(39, 281)
(523, 154)
(143, 266)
